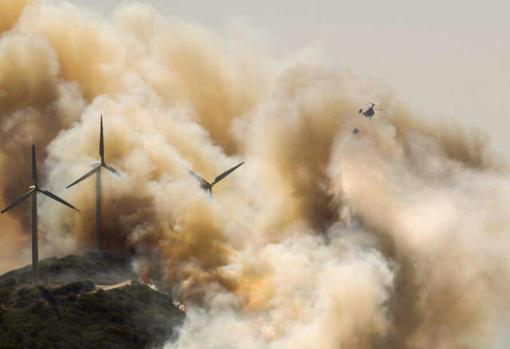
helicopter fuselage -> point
(369, 112)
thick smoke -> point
(396, 237)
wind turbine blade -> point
(226, 173)
(202, 181)
(34, 166)
(21, 199)
(112, 170)
(86, 175)
(56, 198)
(101, 141)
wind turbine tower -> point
(97, 171)
(32, 192)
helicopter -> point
(369, 112)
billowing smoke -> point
(396, 237)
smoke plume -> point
(395, 237)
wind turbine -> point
(97, 170)
(33, 190)
(208, 186)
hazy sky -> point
(448, 59)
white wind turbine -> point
(34, 189)
(97, 171)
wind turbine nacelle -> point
(95, 164)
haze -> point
(397, 236)
(445, 59)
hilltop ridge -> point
(88, 301)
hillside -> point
(89, 301)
